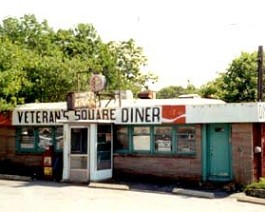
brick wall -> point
(263, 151)
(8, 150)
(7, 142)
(242, 153)
(172, 167)
(166, 167)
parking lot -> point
(45, 196)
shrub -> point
(257, 185)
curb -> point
(194, 193)
(14, 177)
(108, 186)
(240, 197)
(249, 199)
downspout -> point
(258, 150)
(262, 159)
(204, 153)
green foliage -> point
(256, 185)
(38, 64)
(212, 89)
(172, 92)
(129, 60)
(238, 83)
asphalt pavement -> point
(159, 188)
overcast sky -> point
(183, 39)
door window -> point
(104, 147)
(79, 141)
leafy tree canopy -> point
(172, 92)
(38, 64)
(238, 83)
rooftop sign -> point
(77, 100)
(164, 114)
(125, 115)
(97, 82)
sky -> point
(184, 40)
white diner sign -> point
(139, 115)
(133, 115)
(54, 117)
(225, 113)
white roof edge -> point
(124, 103)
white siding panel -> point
(222, 113)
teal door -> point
(218, 152)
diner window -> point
(58, 137)
(141, 138)
(185, 135)
(104, 147)
(79, 140)
(121, 139)
(45, 137)
(163, 138)
(26, 137)
(34, 139)
(156, 140)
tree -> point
(172, 92)
(12, 77)
(212, 89)
(191, 89)
(129, 59)
(38, 64)
(238, 83)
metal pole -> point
(259, 157)
(119, 78)
(260, 74)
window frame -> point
(36, 148)
(175, 141)
(173, 146)
(104, 148)
(193, 140)
(19, 135)
(150, 151)
(128, 150)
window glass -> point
(45, 137)
(141, 130)
(79, 140)
(104, 147)
(141, 139)
(163, 139)
(27, 138)
(121, 138)
(59, 138)
(185, 139)
(34, 139)
(219, 129)
(104, 128)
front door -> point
(218, 152)
(102, 165)
(79, 160)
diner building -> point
(194, 139)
